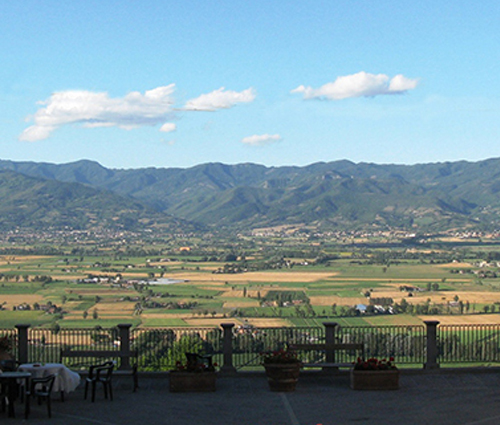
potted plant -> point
(374, 374)
(5, 347)
(198, 374)
(282, 369)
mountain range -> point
(334, 195)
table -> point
(66, 380)
(12, 379)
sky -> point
(163, 83)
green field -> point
(49, 290)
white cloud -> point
(400, 84)
(219, 99)
(357, 85)
(99, 110)
(261, 140)
(168, 127)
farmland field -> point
(101, 290)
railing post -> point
(124, 330)
(227, 349)
(22, 343)
(432, 347)
(330, 331)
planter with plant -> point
(374, 374)
(198, 374)
(282, 369)
(5, 347)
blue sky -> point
(177, 83)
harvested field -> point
(16, 299)
(21, 259)
(166, 316)
(465, 319)
(126, 307)
(205, 321)
(329, 300)
(268, 322)
(241, 303)
(239, 293)
(67, 276)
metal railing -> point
(469, 344)
(45, 345)
(239, 348)
(160, 348)
(405, 343)
(249, 342)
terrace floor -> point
(448, 397)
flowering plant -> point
(279, 356)
(375, 364)
(196, 363)
(5, 343)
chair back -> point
(8, 365)
(43, 386)
(104, 373)
(94, 368)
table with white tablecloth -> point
(66, 380)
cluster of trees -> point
(285, 297)
(26, 278)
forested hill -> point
(35, 203)
(340, 194)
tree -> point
(85, 314)
(95, 314)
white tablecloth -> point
(66, 380)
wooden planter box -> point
(374, 379)
(181, 382)
(282, 376)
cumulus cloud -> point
(220, 99)
(168, 127)
(261, 139)
(92, 109)
(358, 85)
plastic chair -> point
(7, 365)
(103, 374)
(41, 389)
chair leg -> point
(136, 382)
(93, 391)
(86, 388)
(62, 396)
(27, 406)
(48, 406)
(110, 391)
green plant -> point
(375, 364)
(5, 343)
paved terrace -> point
(444, 397)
